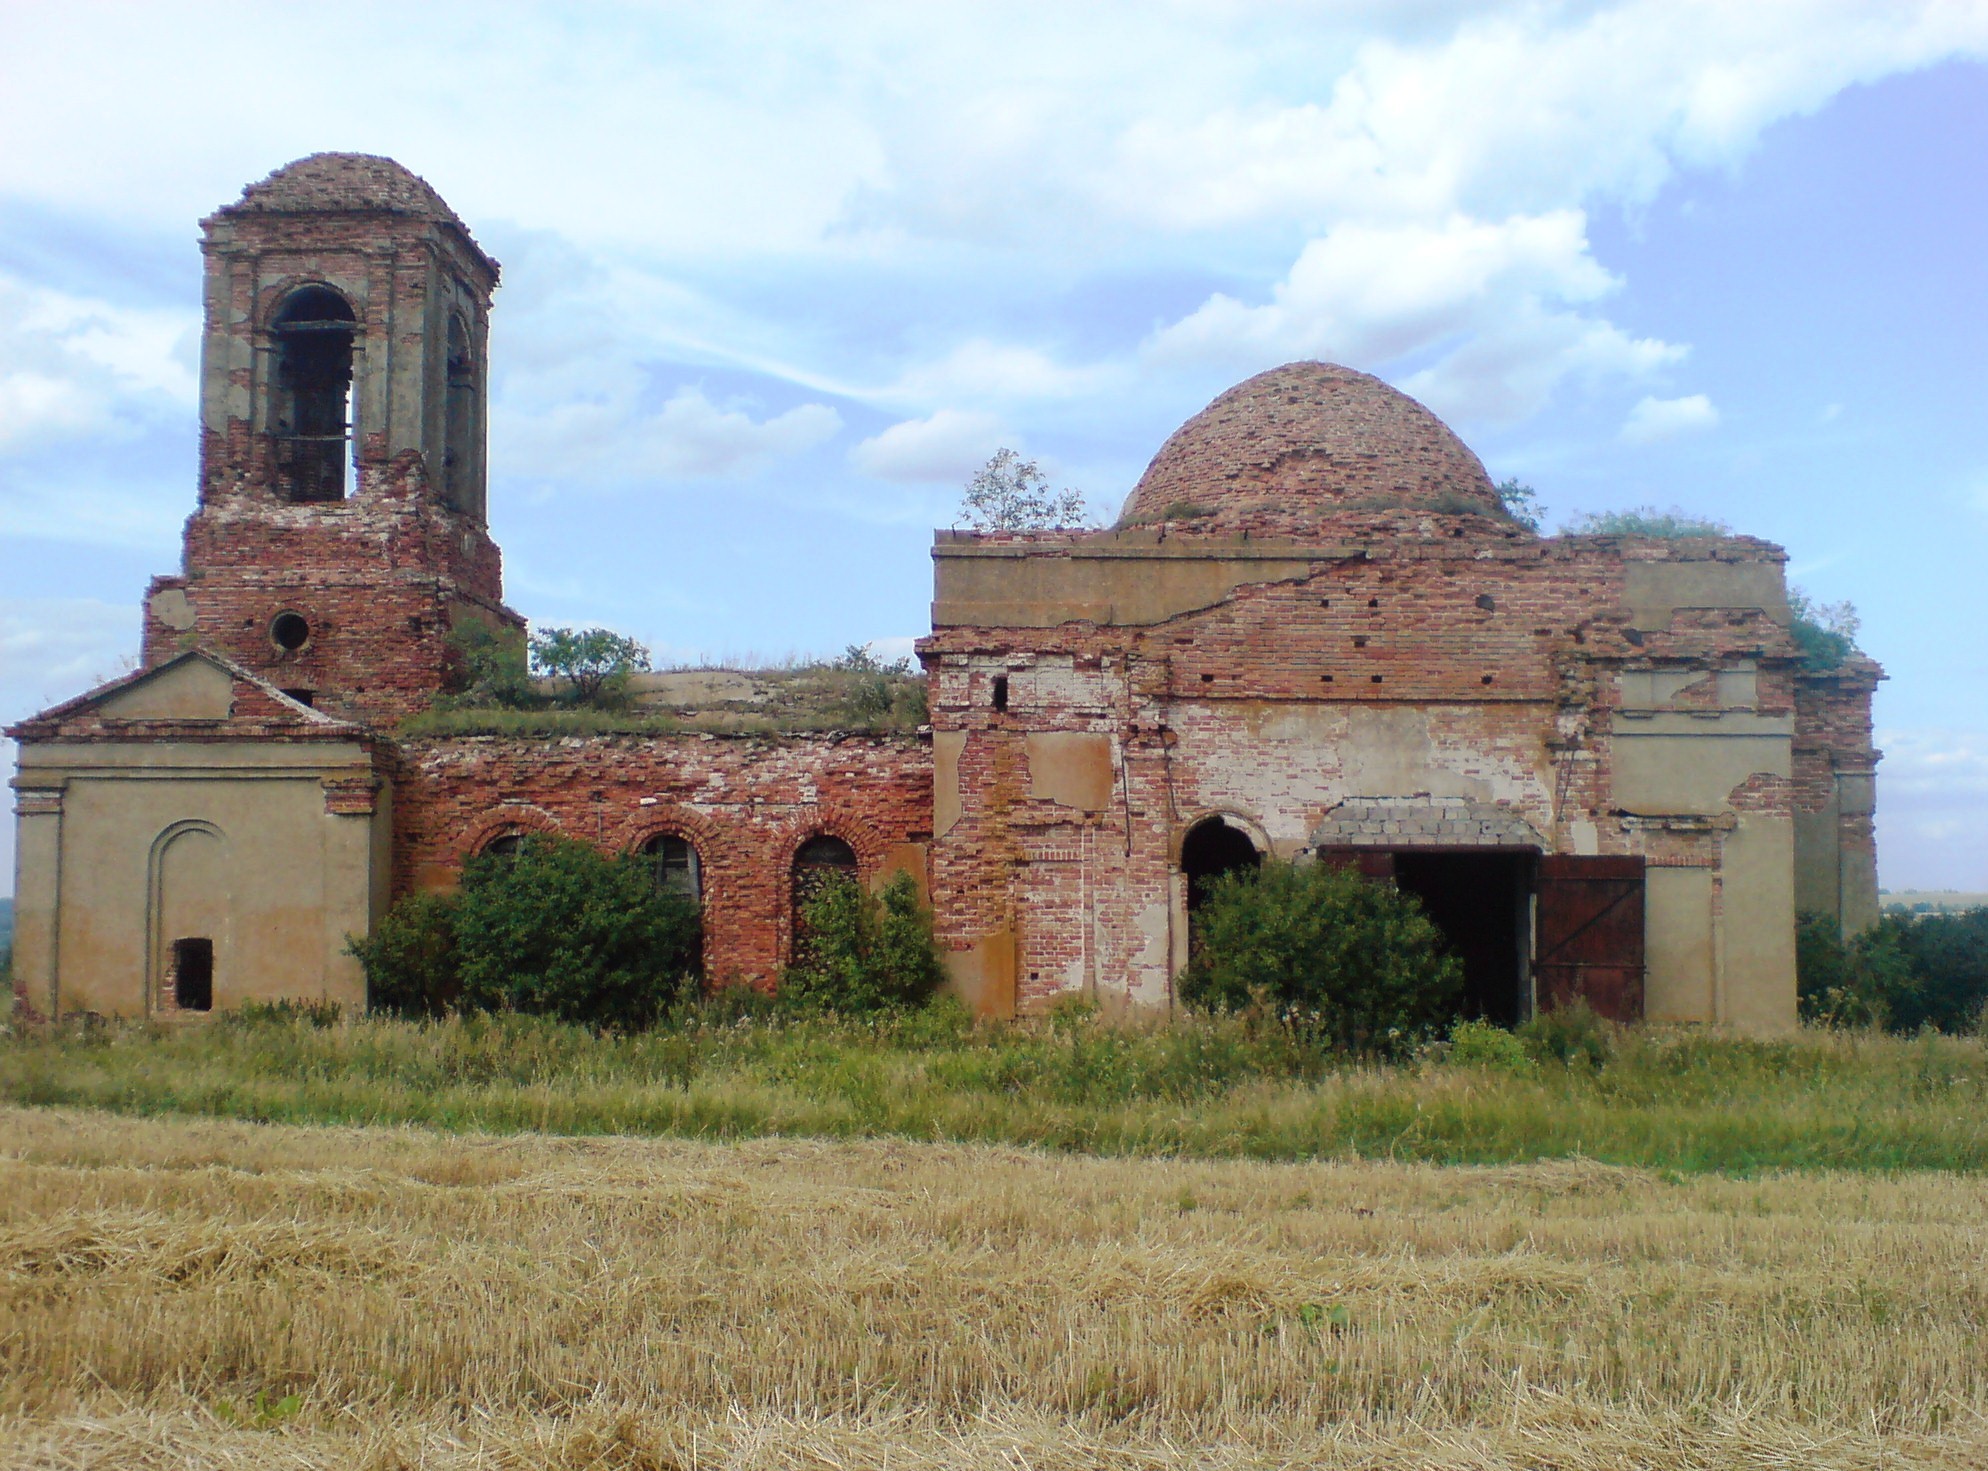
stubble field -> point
(183, 1292)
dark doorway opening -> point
(1213, 847)
(1480, 901)
(193, 974)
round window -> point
(290, 632)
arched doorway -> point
(820, 860)
(1214, 846)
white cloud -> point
(609, 439)
(52, 649)
(72, 367)
(1665, 418)
(1933, 808)
(890, 650)
(1499, 301)
(943, 448)
(979, 369)
(1027, 143)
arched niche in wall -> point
(188, 930)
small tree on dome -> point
(1521, 503)
(1009, 493)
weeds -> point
(1684, 1101)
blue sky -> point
(777, 277)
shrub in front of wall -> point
(1904, 973)
(554, 929)
(1347, 961)
(560, 929)
(1947, 955)
(410, 958)
(1485, 1045)
(859, 952)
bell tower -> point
(341, 532)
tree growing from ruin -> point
(1009, 493)
(1826, 633)
(1521, 503)
(596, 663)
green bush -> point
(1486, 1045)
(860, 952)
(1904, 973)
(1948, 956)
(1354, 964)
(1825, 633)
(410, 959)
(488, 668)
(1646, 521)
(554, 929)
(1572, 1034)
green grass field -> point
(1677, 1101)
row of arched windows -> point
(675, 865)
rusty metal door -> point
(1590, 934)
(1371, 863)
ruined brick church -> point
(1316, 631)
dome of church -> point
(343, 182)
(1309, 440)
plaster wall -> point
(148, 842)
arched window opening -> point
(504, 845)
(673, 861)
(1213, 848)
(314, 335)
(820, 861)
(459, 420)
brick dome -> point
(344, 183)
(1310, 440)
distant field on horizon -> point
(1936, 898)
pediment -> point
(186, 689)
(198, 689)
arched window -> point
(504, 845)
(459, 420)
(674, 863)
(820, 860)
(1213, 847)
(314, 333)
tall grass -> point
(1683, 1101)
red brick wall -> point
(745, 803)
(381, 575)
(1494, 654)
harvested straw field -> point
(216, 1293)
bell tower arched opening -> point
(313, 335)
